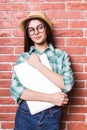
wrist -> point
(49, 98)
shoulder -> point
(22, 57)
(60, 53)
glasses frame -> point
(37, 28)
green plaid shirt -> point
(59, 61)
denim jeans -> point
(45, 120)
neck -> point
(41, 47)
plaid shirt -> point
(59, 61)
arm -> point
(19, 92)
(67, 74)
(56, 78)
(65, 80)
(16, 88)
(58, 99)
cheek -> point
(31, 37)
(45, 35)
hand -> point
(34, 61)
(59, 98)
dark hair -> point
(27, 40)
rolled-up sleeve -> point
(67, 73)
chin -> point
(39, 43)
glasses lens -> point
(31, 31)
(40, 28)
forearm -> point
(58, 98)
(31, 95)
(52, 76)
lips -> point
(37, 38)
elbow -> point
(68, 87)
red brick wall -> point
(70, 23)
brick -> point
(4, 23)
(78, 93)
(73, 101)
(4, 83)
(46, 6)
(19, 50)
(78, 59)
(76, 6)
(58, 23)
(79, 84)
(86, 33)
(80, 76)
(6, 50)
(6, 101)
(7, 125)
(74, 50)
(18, 15)
(59, 41)
(18, 33)
(5, 67)
(77, 68)
(65, 15)
(62, 0)
(4, 15)
(9, 24)
(11, 7)
(77, 126)
(76, 109)
(7, 117)
(68, 33)
(5, 33)
(78, 24)
(8, 109)
(76, 42)
(8, 58)
(11, 41)
(86, 99)
(28, 1)
(4, 92)
(4, 1)
(73, 117)
(86, 15)
(5, 75)
(85, 68)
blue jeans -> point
(45, 120)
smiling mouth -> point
(37, 38)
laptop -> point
(33, 79)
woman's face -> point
(37, 32)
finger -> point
(62, 93)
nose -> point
(36, 32)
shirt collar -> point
(50, 47)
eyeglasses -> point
(40, 29)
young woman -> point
(38, 40)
